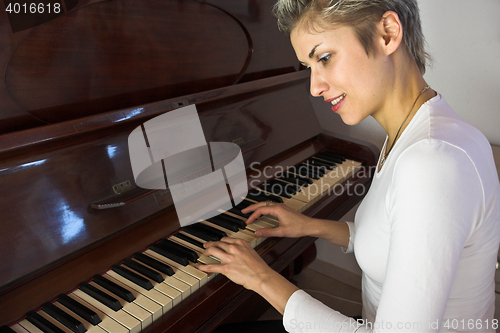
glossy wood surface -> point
(55, 179)
(107, 55)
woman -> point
(427, 234)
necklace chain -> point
(384, 158)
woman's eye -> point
(324, 58)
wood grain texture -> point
(107, 55)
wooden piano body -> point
(74, 89)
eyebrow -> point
(311, 54)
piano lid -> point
(102, 56)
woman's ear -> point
(391, 31)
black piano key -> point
(296, 176)
(6, 329)
(146, 271)
(261, 196)
(181, 250)
(244, 204)
(79, 309)
(328, 158)
(311, 171)
(296, 181)
(330, 163)
(42, 323)
(275, 189)
(247, 202)
(189, 239)
(64, 318)
(318, 163)
(135, 278)
(209, 230)
(321, 171)
(332, 154)
(303, 171)
(238, 212)
(224, 224)
(289, 188)
(200, 234)
(114, 288)
(152, 262)
(233, 220)
(101, 296)
(172, 256)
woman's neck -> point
(402, 99)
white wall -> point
(463, 37)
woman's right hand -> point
(291, 223)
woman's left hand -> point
(239, 262)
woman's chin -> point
(350, 120)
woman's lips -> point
(337, 102)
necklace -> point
(384, 158)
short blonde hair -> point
(361, 15)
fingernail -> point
(258, 233)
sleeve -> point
(435, 200)
(350, 247)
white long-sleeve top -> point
(426, 236)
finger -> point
(255, 215)
(217, 252)
(264, 210)
(210, 268)
(228, 240)
(269, 232)
(253, 207)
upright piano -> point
(79, 238)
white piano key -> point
(193, 282)
(141, 300)
(54, 321)
(199, 251)
(232, 234)
(18, 329)
(126, 322)
(254, 226)
(155, 295)
(164, 288)
(196, 273)
(182, 287)
(264, 222)
(141, 314)
(29, 326)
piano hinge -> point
(123, 187)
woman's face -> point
(341, 71)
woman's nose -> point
(318, 85)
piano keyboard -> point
(133, 295)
